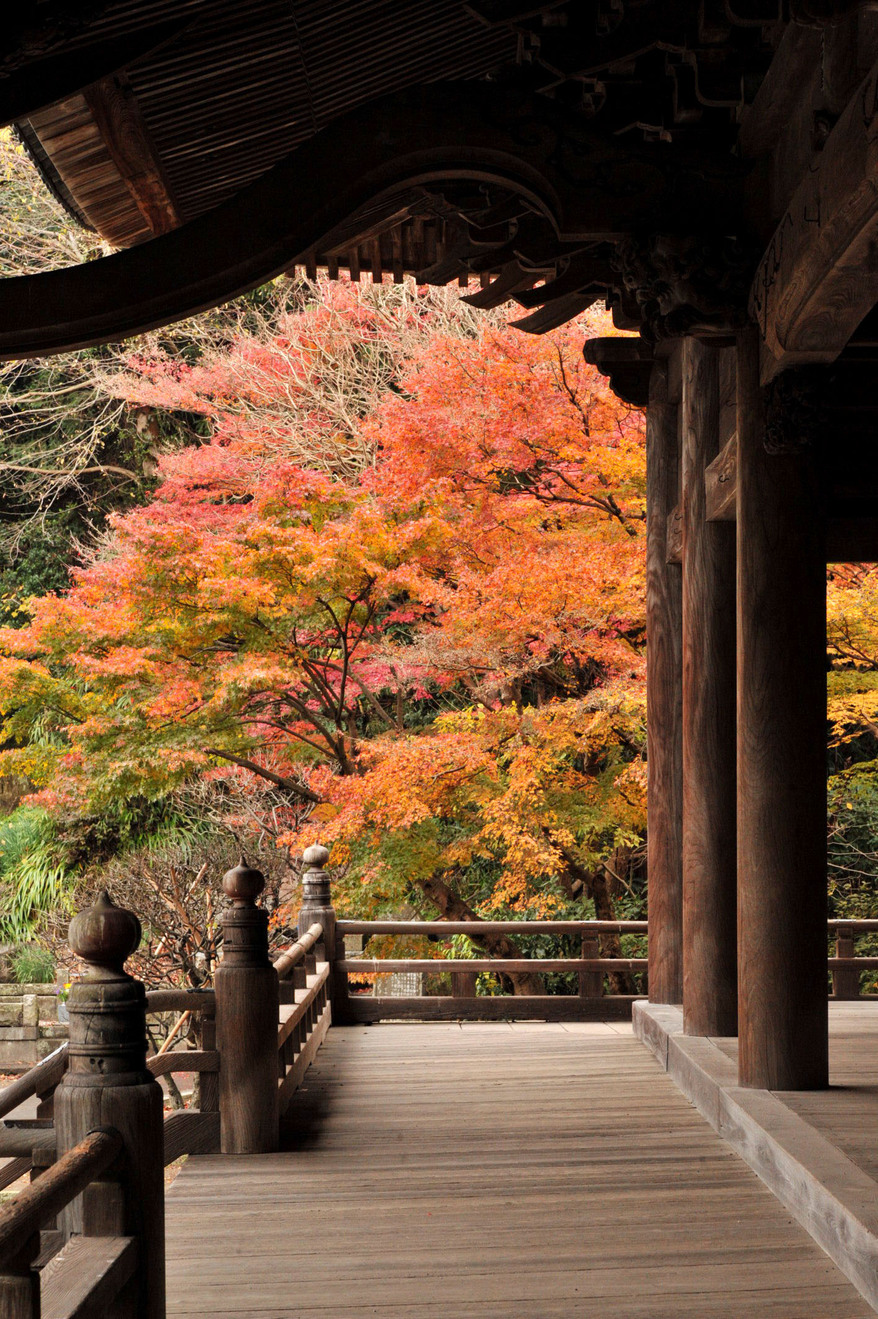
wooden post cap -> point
(315, 856)
(104, 936)
(315, 880)
(243, 883)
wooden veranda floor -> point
(491, 1171)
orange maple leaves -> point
(478, 556)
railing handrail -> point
(181, 1000)
(859, 926)
(43, 1074)
(508, 965)
(22, 1140)
(292, 956)
(448, 928)
(53, 1191)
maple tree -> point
(420, 614)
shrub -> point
(33, 965)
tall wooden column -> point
(781, 752)
(664, 700)
(710, 988)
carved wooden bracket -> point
(628, 364)
(687, 284)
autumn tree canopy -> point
(415, 604)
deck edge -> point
(834, 1200)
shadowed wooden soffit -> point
(642, 152)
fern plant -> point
(34, 879)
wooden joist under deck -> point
(534, 1171)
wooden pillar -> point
(247, 1016)
(107, 1085)
(664, 700)
(782, 994)
(317, 906)
(710, 985)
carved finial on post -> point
(108, 1084)
(316, 884)
(247, 1005)
(317, 906)
(243, 884)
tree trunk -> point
(453, 908)
(596, 884)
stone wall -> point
(29, 1026)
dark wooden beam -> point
(674, 535)
(782, 1002)
(664, 701)
(818, 277)
(439, 132)
(851, 531)
(709, 817)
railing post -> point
(20, 1285)
(107, 1084)
(247, 1015)
(317, 906)
(845, 979)
(591, 983)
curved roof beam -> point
(585, 187)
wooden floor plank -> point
(522, 1171)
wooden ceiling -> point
(235, 89)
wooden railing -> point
(305, 1010)
(196, 1129)
(845, 967)
(95, 1268)
(105, 1254)
(589, 969)
(259, 1030)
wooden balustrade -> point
(247, 1005)
(196, 1129)
(297, 952)
(40, 1080)
(499, 965)
(447, 928)
(92, 1269)
(590, 969)
(303, 1026)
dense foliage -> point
(421, 620)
